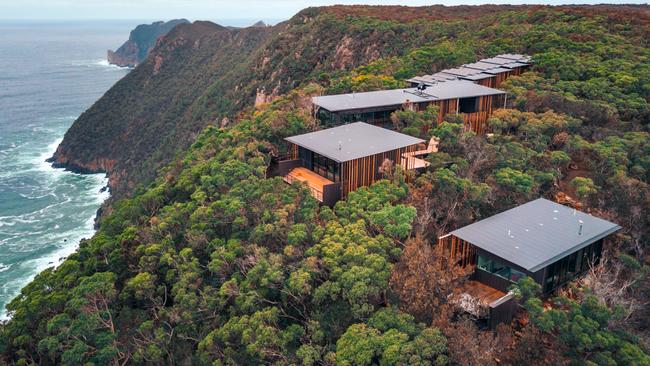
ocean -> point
(49, 74)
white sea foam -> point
(66, 241)
(105, 63)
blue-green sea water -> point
(49, 74)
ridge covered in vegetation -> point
(215, 263)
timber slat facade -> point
(468, 91)
(550, 243)
(349, 157)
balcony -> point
(411, 161)
(322, 189)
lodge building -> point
(467, 91)
(548, 242)
(473, 102)
(490, 72)
(336, 161)
(543, 240)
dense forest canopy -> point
(215, 263)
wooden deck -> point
(484, 293)
(314, 181)
(475, 298)
(411, 161)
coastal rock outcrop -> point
(141, 40)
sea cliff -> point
(141, 40)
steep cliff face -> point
(144, 119)
(141, 40)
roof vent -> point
(340, 145)
(580, 228)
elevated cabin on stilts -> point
(548, 242)
(335, 161)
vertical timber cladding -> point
(460, 252)
(293, 151)
(501, 77)
(447, 106)
(490, 82)
(518, 70)
(477, 121)
(365, 171)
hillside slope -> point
(217, 264)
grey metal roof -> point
(536, 234)
(515, 57)
(496, 70)
(396, 97)
(461, 71)
(479, 76)
(477, 70)
(445, 75)
(437, 77)
(497, 60)
(481, 65)
(512, 65)
(353, 141)
(351, 101)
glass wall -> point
(325, 167)
(319, 164)
(326, 118)
(568, 267)
(499, 269)
(379, 118)
(306, 156)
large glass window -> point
(326, 117)
(468, 105)
(380, 118)
(568, 267)
(325, 167)
(500, 269)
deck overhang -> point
(321, 188)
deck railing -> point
(315, 192)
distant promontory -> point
(142, 39)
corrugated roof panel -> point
(536, 234)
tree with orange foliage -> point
(422, 280)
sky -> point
(216, 10)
